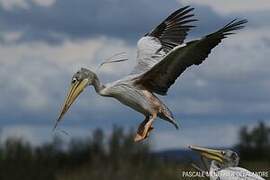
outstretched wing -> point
(161, 76)
(161, 40)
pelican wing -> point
(161, 40)
(161, 76)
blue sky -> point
(43, 42)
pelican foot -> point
(143, 131)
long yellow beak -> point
(212, 154)
(74, 91)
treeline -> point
(255, 143)
(114, 158)
(94, 157)
(254, 148)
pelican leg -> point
(144, 129)
(149, 130)
(139, 135)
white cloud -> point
(216, 135)
(235, 73)
(210, 135)
(25, 4)
(10, 37)
(37, 71)
(37, 134)
(22, 132)
(35, 76)
(9, 4)
(45, 3)
(68, 56)
(232, 6)
(33, 70)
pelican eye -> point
(74, 80)
(234, 156)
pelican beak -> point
(74, 91)
(211, 154)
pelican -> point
(162, 56)
(224, 165)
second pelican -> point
(224, 165)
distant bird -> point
(224, 165)
(161, 58)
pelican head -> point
(80, 80)
(223, 158)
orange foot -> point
(143, 131)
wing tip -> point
(235, 24)
(181, 12)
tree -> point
(255, 143)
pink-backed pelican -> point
(162, 56)
(224, 165)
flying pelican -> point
(224, 165)
(161, 58)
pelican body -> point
(224, 165)
(162, 56)
(140, 100)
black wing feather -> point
(173, 30)
(163, 75)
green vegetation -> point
(255, 143)
(254, 148)
(113, 158)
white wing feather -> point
(162, 39)
(149, 53)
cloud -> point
(223, 85)
(231, 6)
(37, 135)
(10, 37)
(219, 134)
(42, 45)
(24, 4)
(9, 4)
(68, 19)
(36, 76)
(45, 3)
(84, 19)
(55, 21)
(233, 80)
(208, 135)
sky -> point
(44, 42)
